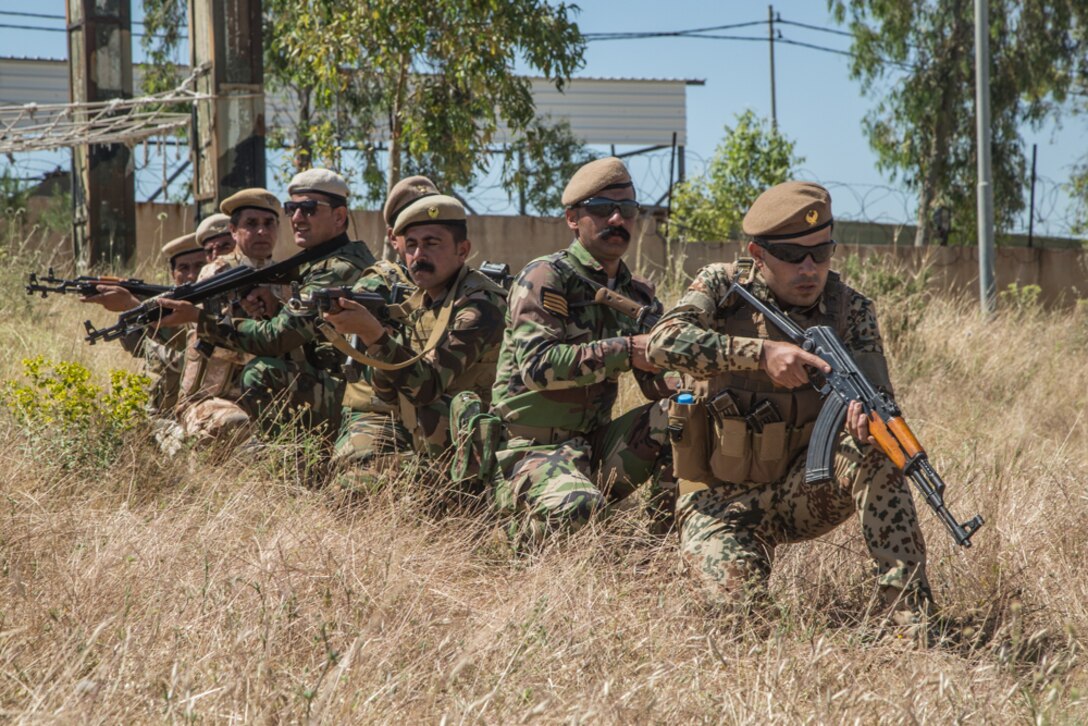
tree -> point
(538, 164)
(923, 128)
(436, 78)
(751, 157)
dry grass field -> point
(213, 591)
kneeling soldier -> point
(749, 495)
(567, 455)
(453, 324)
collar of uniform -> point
(760, 289)
(453, 280)
(589, 262)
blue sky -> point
(818, 105)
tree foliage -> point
(923, 126)
(751, 157)
(434, 77)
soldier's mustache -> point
(422, 266)
(611, 231)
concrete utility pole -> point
(229, 131)
(103, 183)
(987, 287)
(770, 38)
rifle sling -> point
(438, 333)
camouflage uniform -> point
(730, 524)
(464, 360)
(371, 425)
(163, 352)
(561, 356)
(295, 371)
(211, 380)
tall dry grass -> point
(178, 590)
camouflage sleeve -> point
(684, 339)
(862, 339)
(283, 332)
(540, 332)
(477, 328)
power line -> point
(634, 35)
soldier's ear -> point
(463, 248)
(756, 253)
(572, 218)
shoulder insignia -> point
(554, 301)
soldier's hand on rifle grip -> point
(639, 361)
(181, 312)
(857, 423)
(113, 298)
(355, 319)
(259, 303)
(787, 363)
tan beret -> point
(212, 226)
(180, 246)
(255, 198)
(791, 209)
(405, 192)
(325, 181)
(430, 210)
(594, 177)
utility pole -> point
(770, 38)
(229, 130)
(1031, 207)
(103, 183)
(987, 286)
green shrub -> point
(60, 409)
(1020, 299)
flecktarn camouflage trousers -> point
(561, 485)
(729, 538)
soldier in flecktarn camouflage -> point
(295, 374)
(742, 488)
(453, 324)
(566, 456)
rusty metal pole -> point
(103, 181)
(228, 132)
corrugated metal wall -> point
(625, 111)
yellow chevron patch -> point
(554, 302)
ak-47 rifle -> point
(846, 383)
(499, 272)
(88, 285)
(646, 316)
(241, 279)
(324, 300)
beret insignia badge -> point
(812, 217)
(432, 212)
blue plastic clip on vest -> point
(685, 398)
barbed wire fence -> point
(161, 163)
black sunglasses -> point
(603, 208)
(307, 207)
(796, 254)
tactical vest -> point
(755, 429)
(480, 376)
